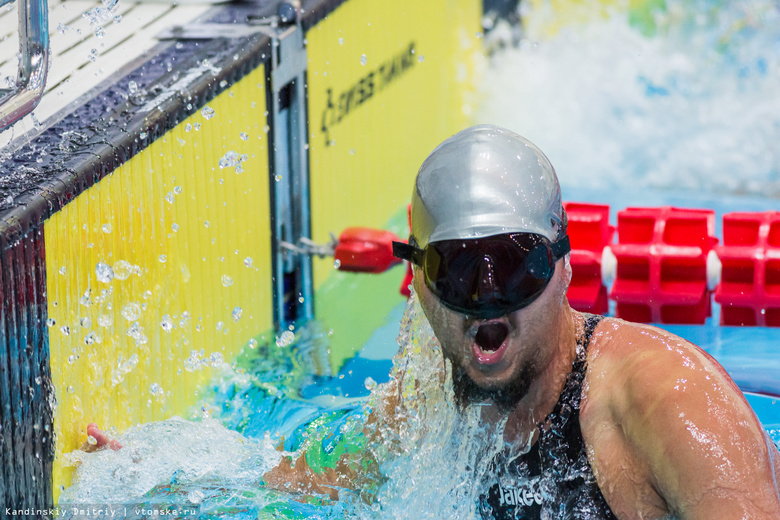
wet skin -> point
(667, 431)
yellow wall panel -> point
(387, 82)
(189, 246)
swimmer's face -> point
(499, 358)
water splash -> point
(165, 453)
(691, 107)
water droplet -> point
(105, 320)
(162, 259)
(239, 169)
(131, 311)
(187, 127)
(277, 177)
(193, 362)
(143, 135)
(135, 330)
(227, 281)
(91, 338)
(244, 136)
(207, 224)
(216, 359)
(169, 197)
(285, 339)
(106, 228)
(196, 126)
(341, 41)
(220, 325)
(147, 294)
(50, 322)
(336, 264)
(252, 343)
(61, 28)
(104, 272)
(85, 299)
(370, 383)
(63, 270)
(223, 83)
(237, 312)
(156, 390)
(363, 59)
(300, 299)
(166, 323)
(207, 112)
(175, 227)
(177, 190)
(91, 440)
(248, 261)
(85, 322)
(195, 496)
(93, 52)
(421, 58)
(71, 359)
(122, 269)
(132, 87)
(65, 330)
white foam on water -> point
(694, 106)
(159, 452)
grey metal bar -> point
(19, 101)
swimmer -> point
(624, 420)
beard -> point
(506, 397)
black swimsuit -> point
(555, 474)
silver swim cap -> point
(485, 181)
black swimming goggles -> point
(487, 277)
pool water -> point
(690, 107)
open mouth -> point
(489, 342)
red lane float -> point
(589, 233)
(667, 263)
(749, 291)
(662, 264)
(365, 250)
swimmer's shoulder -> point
(645, 363)
(660, 405)
(635, 346)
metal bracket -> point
(307, 247)
(289, 60)
(210, 31)
(19, 101)
(293, 248)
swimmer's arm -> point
(352, 471)
(299, 477)
(707, 454)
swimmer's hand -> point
(102, 440)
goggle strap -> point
(409, 253)
(560, 247)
